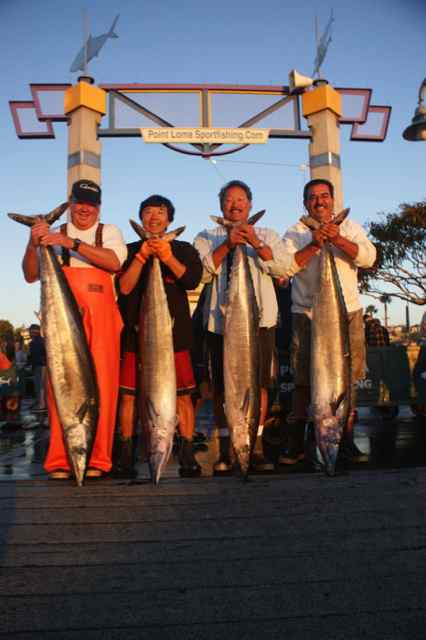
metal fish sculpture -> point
(69, 361)
(330, 356)
(92, 47)
(158, 375)
(241, 354)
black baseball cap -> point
(86, 191)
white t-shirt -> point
(261, 271)
(112, 238)
(306, 280)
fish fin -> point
(256, 216)
(139, 229)
(335, 405)
(150, 411)
(84, 408)
(246, 402)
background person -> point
(37, 360)
(376, 335)
(90, 252)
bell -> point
(417, 129)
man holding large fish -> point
(265, 257)
(157, 339)
(90, 253)
(316, 248)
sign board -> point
(206, 135)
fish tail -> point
(138, 229)
(111, 32)
(28, 221)
(56, 213)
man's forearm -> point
(347, 246)
(264, 252)
(30, 264)
(100, 257)
(127, 281)
(220, 253)
(304, 256)
(175, 266)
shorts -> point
(185, 382)
(301, 347)
(215, 351)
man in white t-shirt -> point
(352, 250)
(90, 253)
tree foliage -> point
(400, 268)
(6, 329)
(371, 308)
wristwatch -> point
(76, 245)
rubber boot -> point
(258, 463)
(295, 449)
(124, 459)
(189, 467)
(349, 452)
(223, 464)
(311, 448)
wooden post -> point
(84, 104)
(322, 107)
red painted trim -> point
(205, 155)
(360, 137)
(36, 88)
(27, 104)
(367, 93)
(197, 87)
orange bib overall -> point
(94, 294)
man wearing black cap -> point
(90, 253)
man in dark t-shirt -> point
(181, 271)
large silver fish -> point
(69, 361)
(158, 372)
(330, 356)
(241, 354)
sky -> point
(378, 44)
